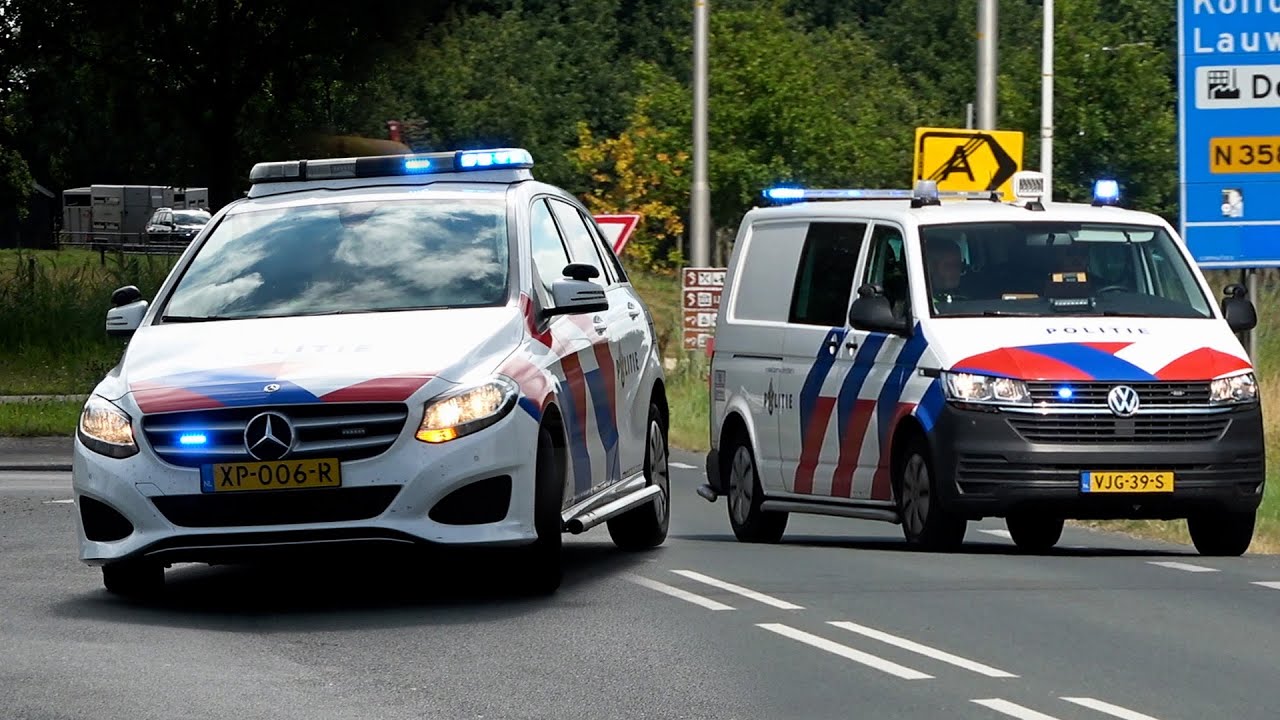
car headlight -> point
(1234, 389)
(970, 388)
(106, 429)
(465, 411)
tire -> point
(539, 566)
(646, 526)
(1034, 533)
(750, 523)
(138, 579)
(1222, 533)
(925, 523)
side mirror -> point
(1238, 310)
(873, 312)
(124, 319)
(126, 295)
(581, 271)
(577, 297)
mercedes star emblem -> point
(271, 388)
(1123, 401)
(268, 436)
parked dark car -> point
(175, 226)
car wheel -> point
(539, 567)
(646, 526)
(134, 578)
(926, 523)
(749, 522)
(1222, 533)
(1034, 533)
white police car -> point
(892, 356)
(430, 348)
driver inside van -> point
(946, 265)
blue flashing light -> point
(794, 194)
(1065, 393)
(1106, 192)
(193, 439)
(417, 164)
(516, 157)
(782, 194)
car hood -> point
(371, 357)
(1105, 349)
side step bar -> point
(863, 513)
(592, 518)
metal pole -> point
(700, 203)
(968, 116)
(987, 23)
(1046, 102)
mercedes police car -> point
(420, 349)
(930, 360)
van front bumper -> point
(994, 464)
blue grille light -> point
(1065, 393)
(193, 439)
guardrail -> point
(118, 242)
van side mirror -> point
(872, 311)
(1238, 310)
(126, 313)
(577, 297)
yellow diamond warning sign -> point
(972, 160)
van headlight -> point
(1234, 389)
(465, 411)
(106, 429)
(971, 388)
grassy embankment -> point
(51, 318)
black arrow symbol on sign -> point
(1006, 166)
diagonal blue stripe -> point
(817, 376)
(930, 406)
(1098, 364)
(605, 422)
(863, 363)
(891, 393)
(577, 445)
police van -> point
(431, 349)
(931, 358)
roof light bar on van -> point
(926, 192)
(392, 165)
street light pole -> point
(987, 23)
(1046, 102)
(700, 202)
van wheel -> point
(138, 579)
(1222, 533)
(646, 526)
(1034, 533)
(925, 522)
(749, 522)
(538, 566)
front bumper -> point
(986, 467)
(144, 507)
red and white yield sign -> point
(617, 229)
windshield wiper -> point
(1008, 313)
(193, 318)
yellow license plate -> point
(273, 475)
(1129, 481)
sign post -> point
(700, 290)
(968, 160)
(1229, 133)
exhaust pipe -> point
(708, 493)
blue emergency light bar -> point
(925, 193)
(1106, 192)
(392, 165)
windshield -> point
(1058, 268)
(348, 258)
(190, 217)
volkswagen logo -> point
(1123, 400)
(268, 436)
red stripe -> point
(851, 447)
(577, 387)
(811, 447)
(880, 485)
(154, 399)
(388, 389)
(531, 323)
(1202, 364)
(1022, 364)
(1111, 348)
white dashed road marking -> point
(738, 590)
(682, 466)
(1013, 709)
(846, 652)
(1186, 567)
(676, 592)
(925, 650)
(1108, 708)
(998, 533)
(1269, 584)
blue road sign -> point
(1229, 131)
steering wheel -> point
(1112, 288)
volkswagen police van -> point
(931, 358)
(391, 350)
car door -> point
(816, 358)
(884, 363)
(604, 330)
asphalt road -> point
(837, 621)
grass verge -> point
(41, 418)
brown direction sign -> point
(700, 288)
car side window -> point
(549, 254)
(581, 246)
(606, 251)
(887, 267)
(824, 279)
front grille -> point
(1103, 428)
(346, 431)
(276, 507)
(1151, 394)
(980, 474)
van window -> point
(824, 280)
(887, 268)
(765, 271)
